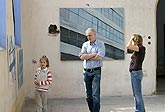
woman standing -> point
(136, 45)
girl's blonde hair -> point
(138, 39)
(46, 59)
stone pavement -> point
(154, 103)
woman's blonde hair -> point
(138, 39)
(46, 59)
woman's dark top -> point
(137, 59)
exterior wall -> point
(11, 97)
(67, 75)
(27, 44)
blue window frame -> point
(3, 23)
(17, 22)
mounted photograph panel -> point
(107, 22)
(11, 59)
(20, 67)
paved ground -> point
(154, 103)
(108, 104)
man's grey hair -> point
(91, 29)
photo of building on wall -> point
(107, 22)
(12, 59)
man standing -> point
(92, 54)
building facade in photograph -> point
(107, 22)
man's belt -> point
(92, 69)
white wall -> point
(37, 15)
